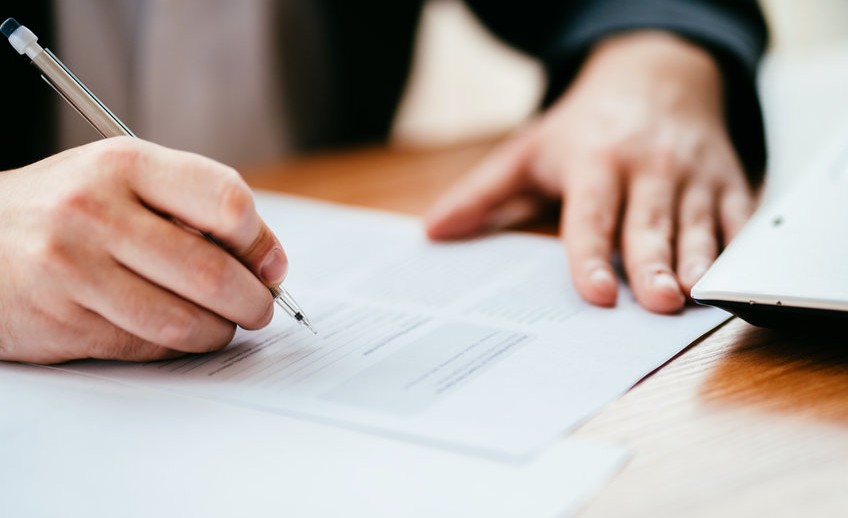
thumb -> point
(469, 206)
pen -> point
(66, 84)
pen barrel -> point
(77, 95)
(285, 301)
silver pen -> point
(57, 75)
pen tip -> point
(9, 27)
(302, 320)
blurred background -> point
(466, 84)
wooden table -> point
(747, 422)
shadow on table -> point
(798, 372)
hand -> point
(94, 266)
(638, 152)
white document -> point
(77, 446)
(481, 345)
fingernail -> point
(665, 282)
(273, 269)
(697, 271)
(602, 278)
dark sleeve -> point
(561, 33)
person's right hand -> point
(94, 265)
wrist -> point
(658, 66)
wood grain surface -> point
(746, 422)
(402, 180)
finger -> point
(697, 240)
(646, 243)
(590, 222)
(92, 336)
(205, 195)
(263, 255)
(191, 267)
(105, 341)
(82, 334)
(735, 207)
(153, 314)
(516, 211)
(468, 207)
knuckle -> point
(594, 212)
(221, 341)
(699, 216)
(667, 162)
(53, 257)
(126, 347)
(658, 219)
(608, 155)
(85, 213)
(158, 353)
(693, 219)
(178, 328)
(695, 239)
(210, 274)
(697, 205)
(80, 205)
(134, 349)
(236, 203)
(261, 318)
(118, 155)
(111, 343)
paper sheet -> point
(482, 345)
(77, 446)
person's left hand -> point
(638, 151)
